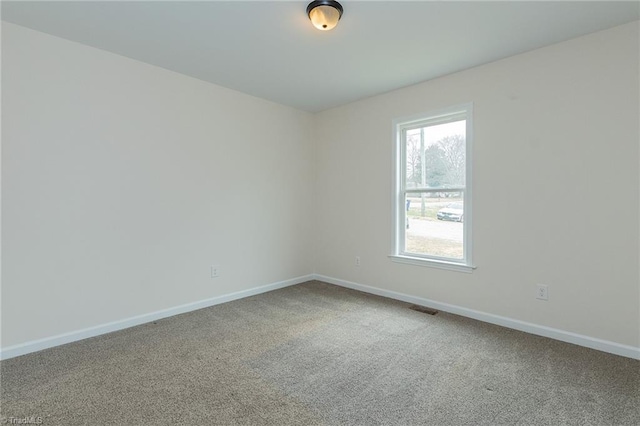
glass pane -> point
(434, 224)
(435, 156)
(414, 158)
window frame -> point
(399, 214)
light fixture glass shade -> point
(324, 18)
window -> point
(432, 191)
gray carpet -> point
(316, 354)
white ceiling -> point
(270, 49)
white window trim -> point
(399, 210)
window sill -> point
(432, 263)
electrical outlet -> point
(542, 292)
(357, 260)
(215, 271)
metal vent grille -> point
(423, 309)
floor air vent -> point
(423, 309)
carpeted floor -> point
(316, 354)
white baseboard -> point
(540, 330)
(61, 339)
(565, 336)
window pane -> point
(434, 224)
(435, 156)
(414, 157)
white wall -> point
(123, 182)
(556, 187)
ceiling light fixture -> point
(324, 14)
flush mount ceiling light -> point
(324, 14)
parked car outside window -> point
(453, 211)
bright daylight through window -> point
(433, 189)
